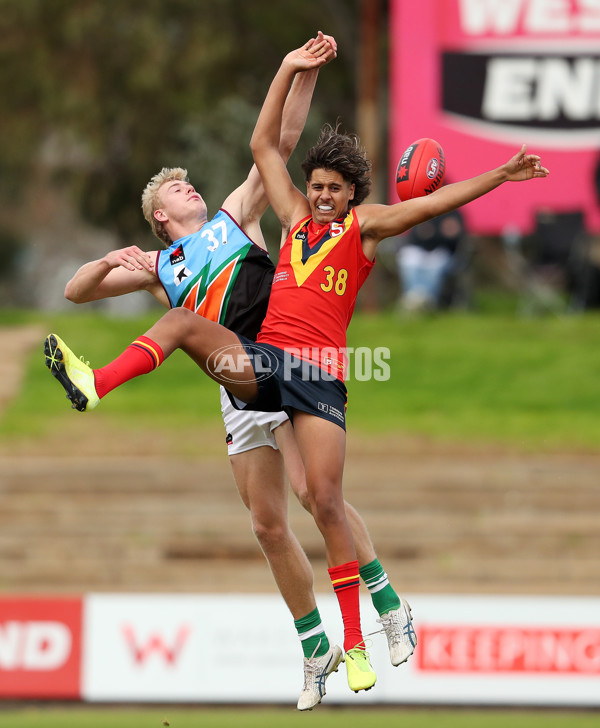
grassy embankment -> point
(525, 383)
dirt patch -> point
(17, 342)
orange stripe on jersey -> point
(190, 299)
(212, 303)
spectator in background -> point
(427, 259)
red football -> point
(420, 169)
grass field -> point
(100, 717)
(526, 383)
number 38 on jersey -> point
(335, 280)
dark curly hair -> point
(341, 153)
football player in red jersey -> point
(328, 254)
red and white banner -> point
(482, 77)
(40, 648)
(243, 648)
(233, 648)
(509, 649)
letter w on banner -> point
(156, 643)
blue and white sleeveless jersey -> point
(219, 273)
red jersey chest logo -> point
(309, 249)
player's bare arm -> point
(120, 271)
(287, 201)
(248, 202)
(382, 221)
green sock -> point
(382, 593)
(312, 635)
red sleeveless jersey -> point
(320, 271)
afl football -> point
(420, 170)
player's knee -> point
(302, 496)
(180, 320)
(326, 509)
(271, 534)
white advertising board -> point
(473, 650)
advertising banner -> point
(483, 77)
(40, 648)
(225, 648)
(507, 650)
(473, 650)
(239, 648)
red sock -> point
(346, 583)
(140, 357)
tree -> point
(103, 94)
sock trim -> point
(345, 582)
(379, 587)
(152, 349)
(374, 580)
(311, 632)
(377, 583)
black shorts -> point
(288, 383)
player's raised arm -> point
(382, 221)
(265, 143)
(248, 202)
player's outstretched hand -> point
(524, 166)
(314, 53)
(332, 43)
(131, 258)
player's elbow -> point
(260, 146)
(287, 144)
(70, 294)
(256, 147)
(73, 294)
(256, 141)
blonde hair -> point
(151, 201)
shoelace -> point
(84, 361)
(404, 633)
(366, 643)
(364, 661)
(310, 671)
(313, 676)
(310, 666)
(385, 621)
(314, 652)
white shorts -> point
(246, 429)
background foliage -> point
(102, 94)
